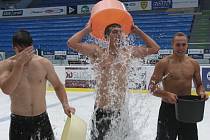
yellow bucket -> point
(75, 129)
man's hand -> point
(204, 96)
(134, 29)
(88, 27)
(68, 110)
(170, 98)
(25, 56)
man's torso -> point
(28, 99)
(180, 75)
(111, 79)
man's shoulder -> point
(42, 62)
(41, 59)
(193, 61)
(6, 63)
(6, 66)
(165, 60)
(3, 62)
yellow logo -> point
(144, 4)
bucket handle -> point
(191, 100)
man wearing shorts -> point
(176, 73)
(23, 77)
(111, 70)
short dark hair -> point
(179, 34)
(109, 28)
(22, 38)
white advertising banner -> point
(84, 9)
(79, 73)
(130, 6)
(138, 5)
(72, 57)
(206, 56)
(195, 51)
(31, 12)
(60, 52)
(2, 56)
(145, 5)
(165, 51)
(184, 3)
(83, 76)
(79, 77)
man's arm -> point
(75, 42)
(58, 86)
(151, 46)
(10, 79)
(157, 77)
(198, 83)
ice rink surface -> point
(84, 103)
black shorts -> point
(169, 128)
(101, 123)
(30, 128)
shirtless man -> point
(176, 73)
(23, 77)
(111, 67)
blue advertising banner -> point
(206, 78)
(161, 4)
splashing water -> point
(122, 116)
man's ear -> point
(106, 37)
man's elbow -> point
(59, 87)
(70, 43)
(6, 91)
(156, 50)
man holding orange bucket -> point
(111, 22)
(111, 67)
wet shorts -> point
(169, 128)
(101, 123)
(30, 128)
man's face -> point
(115, 34)
(180, 45)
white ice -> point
(84, 102)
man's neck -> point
(179, 58)
(113, 49)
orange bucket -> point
(107, 12)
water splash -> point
(127, 114)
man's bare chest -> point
(180, 71)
